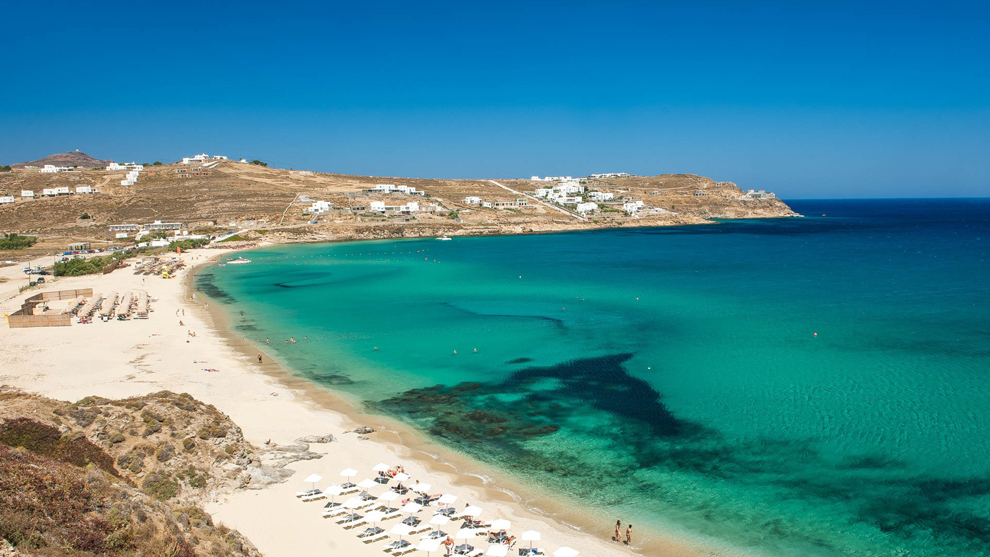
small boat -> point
(444, 238)
(238, 261)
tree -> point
(5, 168)
(452, 215)
(157, 163)
(259, 163)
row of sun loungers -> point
(107, 307)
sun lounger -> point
(313, 497)
(347, 518)
(420, 529)
(307, 492)
(370, 532)
(398, 546)
(334, 511)
(476, 553)
(352, 523)
(377, 537)
(391, 513)
(526, 552)
(409, 549)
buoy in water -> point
(455, 351)
(816, 334)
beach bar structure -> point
(25, 318)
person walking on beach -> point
(629, 535)
(618, 532)
(267, 341)
(259, 357)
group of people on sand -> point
(618, 533)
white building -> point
(27, 193)
(632, 207)
(7, 199)
(319, 207)
(390, 188)
(586, 207)
(569, 187)
(610, 175)
(470, 200)
(85, 189)
(114, 167)
(51, 169)
(124, 228)
(569, 200)
(121, 235)
(200, 158)
(551, 178)
(406, 208)
(759, 194)
(62, 190)
(601, 196)
(159, 225)
(49, 192)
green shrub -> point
(15, 241)
(259, 163)
(160, 486)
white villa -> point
(49, 192)
(551, 179)
(159, 225)
(391, 188)
(759, 194)
(601, 196)
(586, 207)
(200, 158)
(124, 228)
(114, 167)
(632, 207)
(7, 199)
(51, 169)
(27, 193)
(470, 200)
(381, 207)
(319, 207)
(610, 175)
(85, 189)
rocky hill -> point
(124, 477)
(70, 158)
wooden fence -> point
(25, 317)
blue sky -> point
(864, 99)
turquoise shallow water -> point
(672, 377)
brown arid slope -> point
(124, 477)
(70, 158)
(271, 202)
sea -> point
(815, 386)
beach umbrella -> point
(402, 476)
(388, 496)
(400, 530)
(367, 484)
(381, 467)
(375, 516)
(412, 508)
(312, 479)
(501, 524)
(333, 491)
(348, 472)
(429, 545)
(531, 536)
(498, 550)
(465, 533)
(447, 499)
(439, 520)
(565, 552)
(353, 503)
(472, 511)
(421, 487)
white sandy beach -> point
(119, 359)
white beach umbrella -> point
(412, 508)
(312, 479)
(465, 534)
(348, 472)
(400, 530)
(501, 524)
(402, 476)
(531, 536)
(439, 520)
(332, 492)
(367, 484)
(421, 487)
(498, 550)
(447, 499)
(381, 467)
(565, 552)
(374, 516)
(388, 496)
(472, 511)
(353, 503)
(429, 545)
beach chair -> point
(476, 553)
(334, 511)
(391, 513)
(348, 489)
(376, 538)
(397, 546)
(347, 518)
(353, 523)
(307, 492)
(369, 532)
(419, 529)
(403, 551)
(313, 497)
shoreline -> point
(462, 470)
